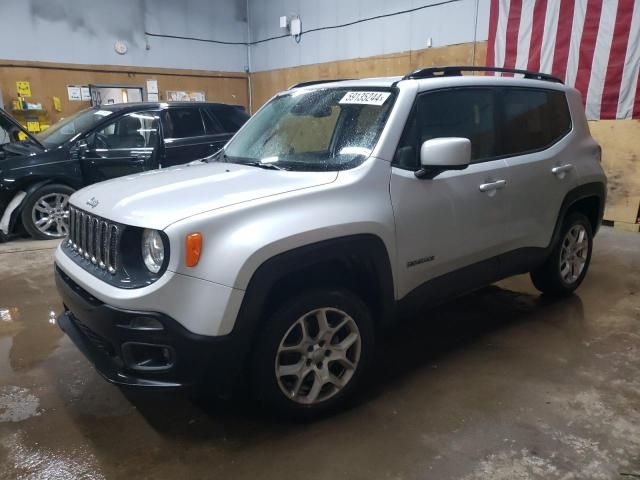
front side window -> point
(182, 123)
(133, 130)
(533, 119)
(465, 112)
(316, 129)
(69, 127)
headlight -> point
(152, 250)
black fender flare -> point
(30, 190)
(587, 190)
(365, 249)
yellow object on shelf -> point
(22, 135)
(44, 126)
(23, 88)
(33, 127)
(17, 105)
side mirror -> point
(441, 154)
(79, 149)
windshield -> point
(67, 128)
(320, 129)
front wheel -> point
(568, 262)
(45, 215)
(313, 353)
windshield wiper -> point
(268, 166)
(222, 156)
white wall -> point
(448, 24)
(84, 31)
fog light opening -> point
(143, 356)
(143, 323)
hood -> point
(10, 124)
(158, 198)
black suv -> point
(39, 172)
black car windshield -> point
(69, 127)
(313, 129)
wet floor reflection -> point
(448, 387)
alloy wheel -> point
(574, 252)
(50, 214)
(318, 356)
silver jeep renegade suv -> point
(337, 209)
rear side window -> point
(231, 118)
(182, 123)
(532, 119)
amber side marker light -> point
(194, 248)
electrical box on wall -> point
(284, 21)
(296, 26)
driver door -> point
(127, 145)
(450, 228)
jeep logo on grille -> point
(93, 202)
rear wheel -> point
(45, 215)
(568, 263)
(313, 353)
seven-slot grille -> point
(94, 239)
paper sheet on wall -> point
(75, 93)
(183, 96)
(152, 97)
(23, 88)
(152, 86)
(85, 94)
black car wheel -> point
(568, 263)
(313, 353)
(45, 214)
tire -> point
(49, 202)
(567, 265)
(309, 391)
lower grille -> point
(94, 239)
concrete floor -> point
(499, 385)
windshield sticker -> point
(365, 98)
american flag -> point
(592, 45)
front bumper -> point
(117, 349)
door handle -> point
(488, 187)
(561, 169)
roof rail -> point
(316, 82)
(454, 71)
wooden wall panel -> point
(266, 84)
(620, 141)
(48, 80)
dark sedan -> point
(38, 173)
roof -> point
(447, 75)
(117, 107)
